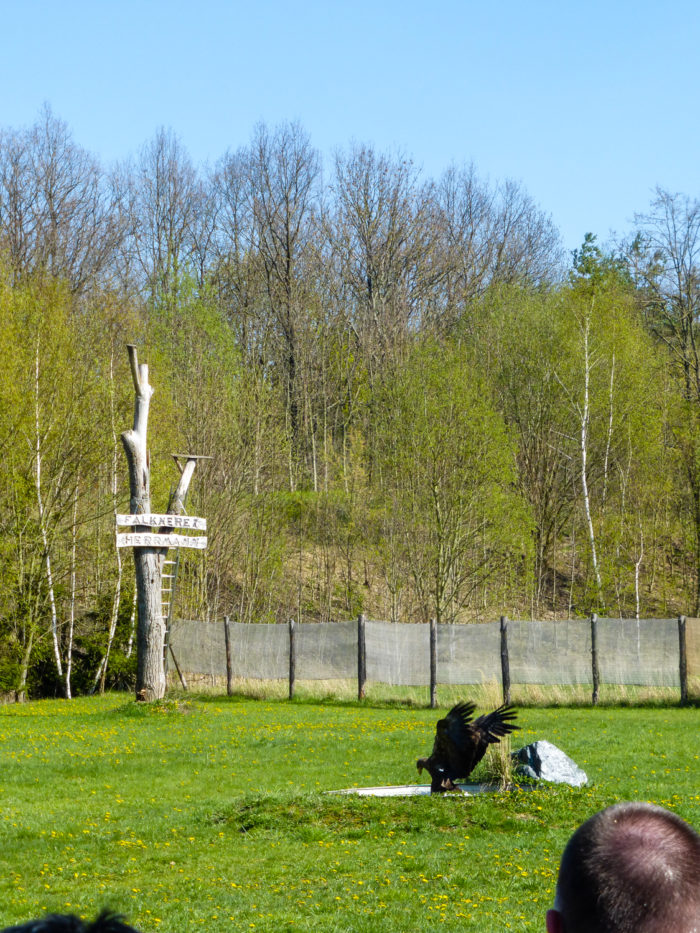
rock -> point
(545, 762)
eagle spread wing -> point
(461, 743)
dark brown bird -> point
(460, 744)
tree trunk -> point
(148, 561)
(150, 632)
(71, 616)
(38, 454)
(150, 673)
(585, 422)
(24, 669)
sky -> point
(590, 106)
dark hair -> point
(632, 868)
(106, 922)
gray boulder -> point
(545, 762)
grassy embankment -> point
(212, 813)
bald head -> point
(632, 868)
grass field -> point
(212, 812)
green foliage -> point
(10, 661)
(448, 479)
(216, 812)
(411, 409)
(594, 266)
(543, 351)
(408, 451)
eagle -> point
(460, 744)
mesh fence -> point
(636, 652)
(257, 651)
(692, 637)
(550, 652)
(642, 651)
(397, 654)
(468, 654)
(324, 651)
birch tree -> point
(583, 410)
(614, 390)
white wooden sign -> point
(135, 539)
(164, 521)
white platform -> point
(416, 790)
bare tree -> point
(492, 235)
(163, 199)
(236, 273)
(203, 230)
(283, 172)
(665, 255)
(527, 243)
(467, 207)
(383, 237)
(267, 196)
(666, 258)
(57, 212)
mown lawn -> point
(213, 812)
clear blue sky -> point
(590, 105)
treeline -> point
(414, 405)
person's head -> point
(632, 868)
(69, 923)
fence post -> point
(683, 660)
(594, 659)
(292, 658)
(433, 663)
(505, 660)
(229, 673)
(361, 657)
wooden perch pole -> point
(148, 561)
